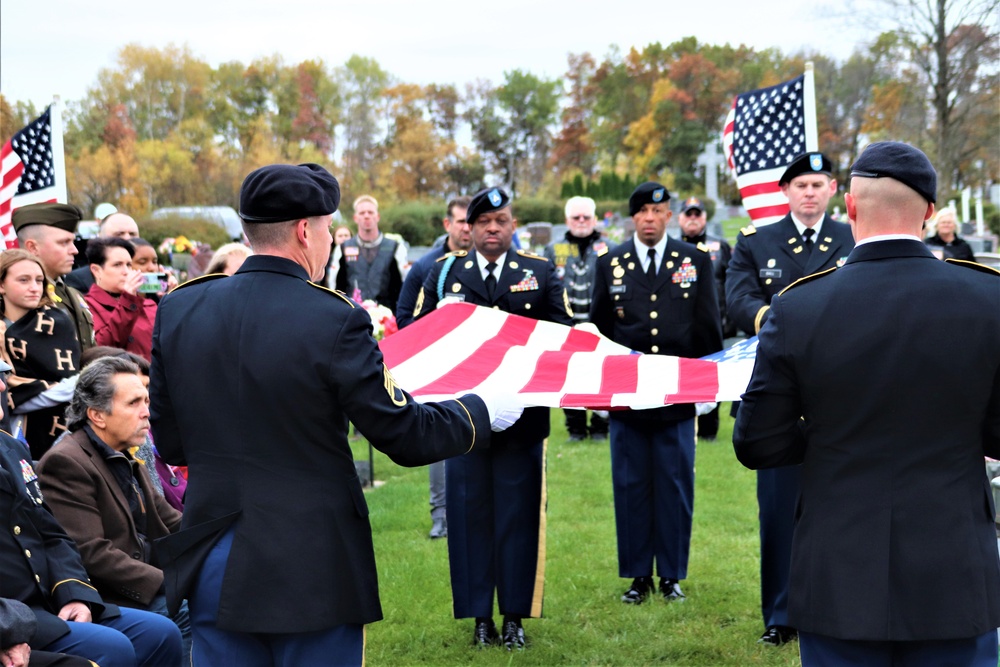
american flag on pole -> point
(764, 131)
(461, 348)
(32, 169)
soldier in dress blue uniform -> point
(253, 380)
(41, 567)
(766, 260)
(493, 544)
(656, 295)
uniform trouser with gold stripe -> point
(496, 530)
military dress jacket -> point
(678, 314)
(890, 428)
(89, 504)
(253, 381)
(768, 259)
(527, 286)
(39, 563)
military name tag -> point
(770, 273)
(617, 289)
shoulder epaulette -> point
(531, 255)
(805, 279)
(200, 279)
(454, 253)
(701, 246)
(749, 230)
(603, 251)
(335, 292)
(974, 265)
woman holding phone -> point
(123, 316)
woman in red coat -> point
(123, 316)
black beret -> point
(647, 193)
(807, 163)
(486, 201)
(63, 216)
(692, 203)
(282, 192)
(902, 162)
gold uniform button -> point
(654, 331)
(686, 294)
(767, 282)
(527, 306)
(17, 530)
(27, 552)
(655, 349)
(653, 315)
(652, 297)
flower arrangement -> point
(179, 244)
(383, 321)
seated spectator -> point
(41, 568)
(228, 258)
(945, 242)
(123, 317)
(40, 343)
(103, 497)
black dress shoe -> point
(513, 634)
(776, 635)
(671, 590)
(638, 591)
(485, 633)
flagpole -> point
(58, 155)
(809, 109)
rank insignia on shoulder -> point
(701, 246)
(456, 253)
(749, 230)
(531, 255)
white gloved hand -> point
(449, 299)
(503, 409)
(704, 408)
(589, 327)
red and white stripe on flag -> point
(764, 131)
(461, 348)
(28, 172)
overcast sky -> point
(57, 47)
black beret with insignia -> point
(902, 162)
(63, 216)
(647, 193)
(282, 192)
(807, 163)
(486, 201)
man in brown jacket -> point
(103, 497)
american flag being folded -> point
(764, 131)
(461, 348)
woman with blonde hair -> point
(945, 243)
(39, 342)
(228, 258)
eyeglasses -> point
(580, 217)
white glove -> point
(704, 408)
(448, 300)
(503, 409)
(589, 327)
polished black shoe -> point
(439, 528)
(513, 634)
(671, 590)
(485, 634)
(776, 635)
(638, 591)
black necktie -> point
(491, 280)
(807, 237)
(651, 269)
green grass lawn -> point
(584, 622)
